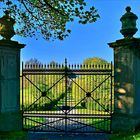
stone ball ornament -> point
(7, 26)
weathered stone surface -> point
(10, 121)
(126, 81)
(10, 118)
(125, 123)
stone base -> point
(10, 121)
(125, 123)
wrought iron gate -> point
(67, 98)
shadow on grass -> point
(22, 135)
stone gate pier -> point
(10, 115)
(126, 115)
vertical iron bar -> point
(39, 101)
(88, 98)
(66, 80)
(100, 97)
(81, 83)
(46, 94)
(106, 103)
(43, 90)
(111, 98)
(30, 97)
(26, 92)
(103, 96)
(75, 96)
(63, 101)
(36, 78)
(53, 92)
(22, 100)
(49, 85)
(106, 84)
(93, 95)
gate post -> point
(10, 114)
(126, 115)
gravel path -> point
(58, 136)
(73, 125)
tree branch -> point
(22, 1)
(30, 12)
(56, 10)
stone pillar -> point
(10, 115)
(126, 115)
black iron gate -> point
(67, 98)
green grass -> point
(74, 111)
(30, 122)
(90, 111)
(15, 135)
(21, 135)
(125, 136)
(99, 124)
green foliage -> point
(48, 17)
(94, 60)
(53, 63)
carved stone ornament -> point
(6, 26)
(128, 23)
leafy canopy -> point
(48, 17)
(94, 60)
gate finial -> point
(65, 61)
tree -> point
(33, 61)
(48, 17)
(94, 60)
(53, 64)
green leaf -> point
(69, 31)
(81, 8)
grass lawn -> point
(30, 122)
(73, 111)
(99, 124)
(125, 136)
(21, 135)
(15, 135)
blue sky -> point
(85, 40)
